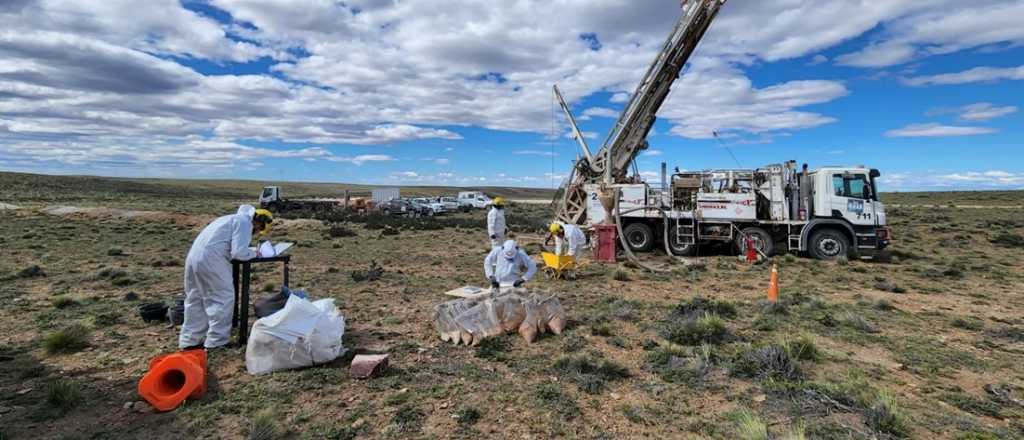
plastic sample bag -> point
(301, 334)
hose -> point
(625, 245)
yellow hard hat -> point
(499, 201)
(555, 228)
(265, 216)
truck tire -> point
(763, 241)
(679, 249)
(639, 236)
(829, 244)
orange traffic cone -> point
(773, 285)
(174, 377)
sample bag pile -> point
(301, 334)
(471, 320)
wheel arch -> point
(814, 225)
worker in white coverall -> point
(496, 229)
(569, 239)
(209, 291)
(507, 264)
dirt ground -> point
(927, 342)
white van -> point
(475, 199)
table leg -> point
(234, 283)
(243, 325)
(285, 273)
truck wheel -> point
(763, 241)
(829, 244)
(639, 236)
(387, 212)
(679, 249)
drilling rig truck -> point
(828, 213)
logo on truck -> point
(856, 206)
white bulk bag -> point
(299, 335)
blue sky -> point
(375, 91)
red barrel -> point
(605, 244)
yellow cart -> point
(558, 266)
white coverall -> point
(496, 227)
(506, 263)
(209, 292)
(575, 238)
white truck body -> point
(384, 195)
(475, 199)
(828, 212)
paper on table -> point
(268, 249)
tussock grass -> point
(750, 427)
(264, 426)
(63, 394)
(70, 339)
(886, 416)
(695, 330)
(590, 375)
(552, 398)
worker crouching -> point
(209, 292)
(509, 265)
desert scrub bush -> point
(767, 362)
(802, 348)
(695, 330)
(1008, 240)
(552, 398)
(571, 342)
(968, 323)
(621, 275)
(63, 302)
(408, 419)
(590, 375)
(264, 426)
(63, 394)
(972, 405)
(115, 251)
(601, 329)
(886, 416)
(33, 271)
(69, 339)
(858, 323)
(494, 348)
(467, 416)
(339, 231)
(676, 364)
(700, 305)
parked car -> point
(475, 199)
(452, 204)
(396, 207)
(428, 207)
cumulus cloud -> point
(949, 181)
(113, 76)
(938, 130)
(535, 153)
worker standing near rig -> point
(496, 229)
(209, 291)
(569, 239)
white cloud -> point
(535, 153)
(818, 59)
(109, 76)
(985, 111)
(937, 130)
(951, 181)
(599, 112)
(922, 29)
(977, 74)
(652, 152)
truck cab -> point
(845, 200)
(270, 196)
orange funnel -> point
(174, 377)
